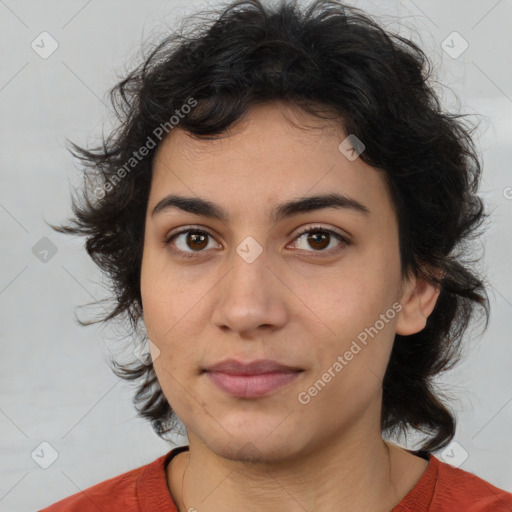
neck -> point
(356, 474)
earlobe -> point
(418, 302)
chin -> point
(253, 447)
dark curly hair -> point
(330, 60)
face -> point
(303, 288)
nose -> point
(250, 297)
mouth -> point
(251, 380)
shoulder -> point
(457, 487)
(116, 493)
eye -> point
(320, 238)
(196, 240)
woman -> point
(281, 209)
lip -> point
(251, 380)
(256, 367)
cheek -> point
(354, 299)
(171, 292)
(159, 309)
(164, 299)
(358, 312)
(167, 309)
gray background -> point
(56, 385)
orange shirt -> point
(441, 488)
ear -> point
(418, 300)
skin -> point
(276, 452)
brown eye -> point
(319, 239)
(189, 241)
(196, 240)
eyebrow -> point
(206, 208)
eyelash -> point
(313, 229)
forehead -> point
(274, 152)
